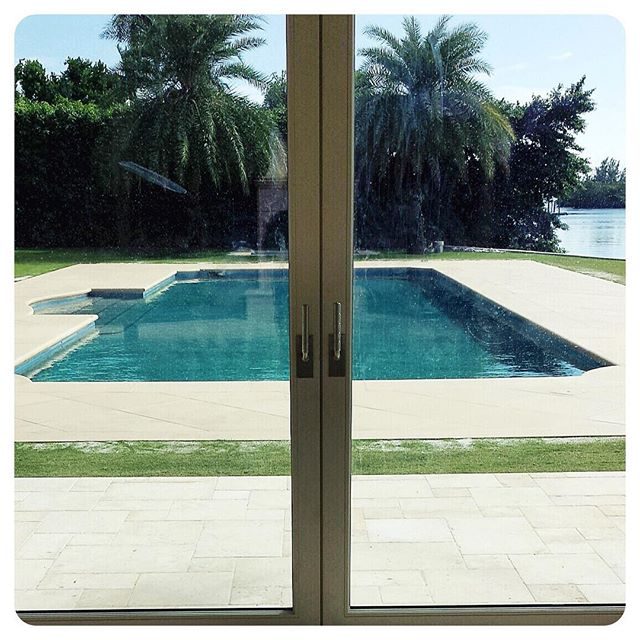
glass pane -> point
(152, 365)
(488, 350)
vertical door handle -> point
(304, 347)
(337, 330)
(336, 344)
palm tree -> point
(422, 114)
(189, 122)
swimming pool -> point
(233, 325)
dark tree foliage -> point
(511, 210)
(604, 189)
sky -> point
(528, 54)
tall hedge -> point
(63, 195)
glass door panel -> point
(488, 391)
(153, 393)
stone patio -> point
(91, 543)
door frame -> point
(320, 69)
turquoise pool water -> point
(408, 324)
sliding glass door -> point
(473, 429)
(167, 382)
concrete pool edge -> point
(578, 308)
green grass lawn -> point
(268, 458)
(31, 262)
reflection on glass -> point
(488, 393)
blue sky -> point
(529, 54)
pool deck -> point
(96, 543)
(586, 311)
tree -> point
(33, 82)
(275, 99)
(188, 123)
(422, 115)
(604, 189)
(81, 80)
(544, 163)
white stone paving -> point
(103, 543)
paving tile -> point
(450, 492)
(23, 530)
(405, 595)
(488, 561)
(233, 538)
(515, 479)
(61, 500)
(612, 509)
(611, 551)
(477, 586)
(601, 533)
(124, 559)
(43, 545)
(565, 540)
(556, 568)
(408, 530)
(363, 596)
(239, 496)
(391, 489)
(501, 512)
(162, 532)
(141, 504)
(270, 500)
(44, 484)
(260, 597)
(213, 565)
(598, 500)
(402, 556)
(554, 517)
(262, 572)
(509, 496)
(46, 599)
(495, 536)
(378, 514)
(208, 510)
(177, 589)
(82, 521)
(104, 599)
(388, 578)
(252, 483)
(91, 484)
(604, 593)
(439, 507)
(89, 581)
(29, 572)
(466, 480)
(585, 485)
(140, 516)
(202, 489)
(557, 593)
